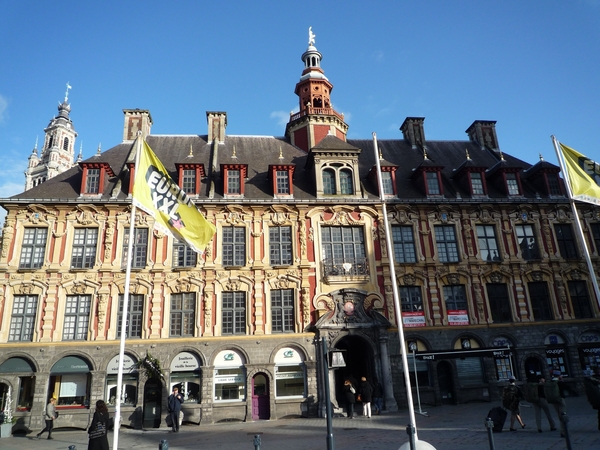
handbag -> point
(56, 414)
(98, 432)
(358, 398)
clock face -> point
(349, 308)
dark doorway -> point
(152, 404)
(359, 358)
(446, 383)
(260, 397)
(533, 369)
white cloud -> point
(3, 109)
(282, 117)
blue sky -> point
(533, 66)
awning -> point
(71, 364)
(16, 364)
(472, 353)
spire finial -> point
(36, 143)
(467, 154)
(99, 151)
(80, 156)
(501, 156)
(425, 153)
(280, 153)
(191, 154)
(67, 92)
(234, 156)
(311, 37)
(541, 157)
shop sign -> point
(413, 319)
(184, 362)
(458, 317)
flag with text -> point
(584, 175)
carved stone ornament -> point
(26, 289)
(341, 218)
(232, 285)
(496, 277)
(78, 288)
(537, 275)
(409, 279)
(453, 279)
(575, 275)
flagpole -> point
(125, 313)
(390, 251)
(586, 250)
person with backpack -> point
(542, 404)
(377, 396)
(511, 398)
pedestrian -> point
(542, 404)
(555, 395)
(97, 432)
(592, 392)
(49, 416)
(511, 400)
(377, 396)
(350, 394)
(366, 395)
(174, 406)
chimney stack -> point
(136, 120)
(217, 123)
(414, 131)
(483, 132)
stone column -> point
(386, 375)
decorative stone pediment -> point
(346, 309)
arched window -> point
(129, 385)
(329, 182)
(290, 373)
(346, 186)
(230, 377)
(185, 374)
(70, 382)
(66, 144)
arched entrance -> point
(260, 397)
(359, 359)
(446, 383)
(152, 403)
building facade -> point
(490, 274)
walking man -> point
(49, 416)
(174, 405)
(542, 405)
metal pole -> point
(257, 442)
(490, 425)
(329, 439)
(417, 384)
(411, 431)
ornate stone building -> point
(490, 274)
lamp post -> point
(328, 410)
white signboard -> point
(458, 317)
(185, 362)
(128, 365)
(413, 319)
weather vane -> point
(311, 37)
(67, 92)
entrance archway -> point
(360, 362)
(446, 383)
(152, 403)
(260, 397)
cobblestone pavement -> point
(458, 427)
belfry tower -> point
(316, 118)
(58, 151)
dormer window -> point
(281, 178)
(329, 182)
(338, 179)
(190, 176)
(553, 184)
(346, 186)
(433, 183)
(476, 183)
(388, 183)
(233, 179)
(512, 184)
(94, 176)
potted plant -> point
(7, 419)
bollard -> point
(565, 420)
(489, 424)
(410, 430)
(164, 445)
(257, 442)
(72, 447)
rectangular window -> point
(22, 320)
(566, 241)
(488, 246)
(329, 182)
(344, 251)
(140, 248)
(410, 299)
(512, 185)
(553, 184)
(26, 392)
(476, 184)
(289, 380)
(499, 302)
(282, 311)
(92, 183)
(280, 246)
(346, 185)
(183, 313)
(447, 247)
(404, 244)
(234, 312)
(527, 242)
(282, 181)
(233, 182)
(135, 312)
(580, 300)
(189, 181)
(540, 300)
(386, 181)
(77, 317)
(33, 248)
(595, 227)
(455, 297)
(183, 255)
(230, 384)
(433, 183)
(234, 246)
(85, 241)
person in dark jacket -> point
(349, 393)
(99, 441)
(542, 405)
(511, 400)
(174, 406)
(366, 395)
(377, 396)
(592, 392)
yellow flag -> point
(174, 212)
(584, 176)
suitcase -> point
(498, 416)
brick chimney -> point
(414, 131)
(136, 120)
(483, 132)
(217, 123)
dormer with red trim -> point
(506, 177)
(316, 118)
(190, 177)
(388, 177)
(428, 177)
(471, 178)
(281, 176)
(94, 177)
(544, 177)
(234, 179)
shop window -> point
(290, 373)
(504, 363)
(469, 372)
(185, 375)
(16, 365)
(70, 382)
(229, 377)
(129, 384)
(589, 353)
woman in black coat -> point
(98, 429)
(349, 392)
(366, 395)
